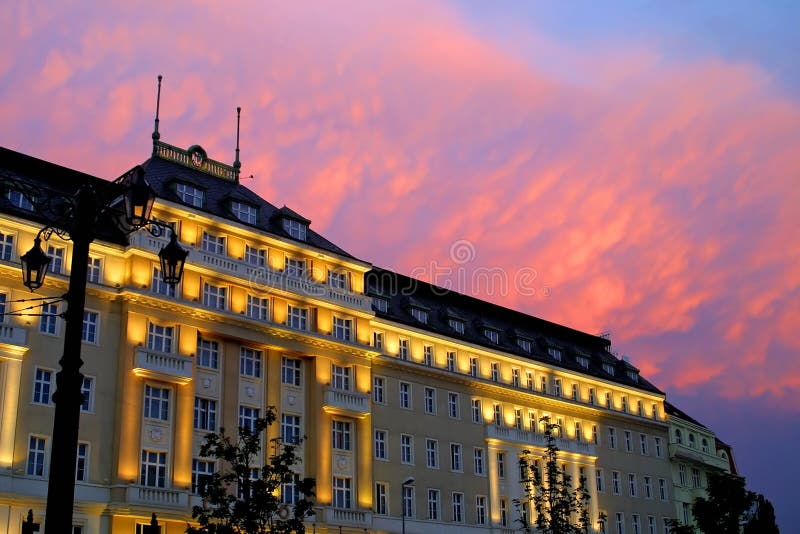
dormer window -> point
(295, 228)
(633, 375)
(19, 200)
(380, 304)
(583, 361)
(456, 324)
(420, 315)
(524, 344)
(554, 353)
(608, 368)
(492, 335)
(244, 212)
(190, 194)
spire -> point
(156, 135)
(236, 163)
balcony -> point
(524, 437)
(684, 452)
(13, 341)
(348, 403)
(346, 517)
(173, 368)
(256, 276)
(157, 497)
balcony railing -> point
(170, 367)
(258, 276)
(157, 497)
(696, 455)
(342, 516)
(524, 437)
(348, 403)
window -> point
(524, 344)
(290, 371)
(156, 402)
(57, 256)
(338, 280)
(378, 383)
(342, 492)
(341, 435)
(620, 522)
(290, 491)
(578, 431)
(608, 400)
(158, 286)
(598, 477)
(82, 462)
(457, 325)
(695, 477)
(657, 446)
(250, 362)
(503, 513)
(380, 304)
(214, 297)
(543, 384)
(628, 441)
(692, 443)
(495, 372)
(632, 484)
(93, 270)
(47, 322)
(667, 527)
(242, 489)
(492, 335)
(687, 514)
(153, 469)
(624, 404)
(477, 461)
(654, 410)
(532, 421)
(402, 349)
(340, 377)
(582, 361)
(207, 353)
(430, 400)
(87, 390)
(574, 392)
(557, 387)
(529, 376)
(405, 395)
(420, 315)
(608, 368)
(407, 449)
(20, 200)
(205, 414)
(591, 396)
(296, 318)
(453, 405)
(294, 267)
(515, 377)
(476, 411)
(248, 417)
(648, 487)
(291, 431)
(255, 256)
(427, 355)
(704, 445)
(380, 445)
(458, 507)
(473, 367)
(257, 308)
(662, 489)
(678, 436)
(215, 244)
(159, 338)
(456, 463)
(295, 229)
(682, 474)
(432, 453)
(408, 501)
(595, 435)
(89, 328)
(433, 504)
(244, 212)
(637, 528)
(518, 418)
(342, 328)
(554, 353)
(639, 408)
(501, 464)
(202, 470)
(377, 340)
(42, 386)
(643, 444)
(381, 507)
(189, 194)
(615, 482)
(651, 524)
(480, 510)
(497, 414)
(35, 464)
(612, 437)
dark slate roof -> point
(673, 410)
(164, 174)
(403, 293)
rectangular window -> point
(476, 411)
(207, 353)
(248, 417)
(458, 507)
(557, 387)
(342, 493)
(405, 395)
(492, 335)
(87, 390)
(380, 445)
(189, 195)
(608, 400)
(42, 386)
(651, 524)
(205, 414)
(156, 403)
(643, 444)
(598, 477)
(380, 304)
(6, 246)
(21, 200)
(257, 308)
(296, 318)
(432, 453)
(620, 522)
(515, 377)
(94, 268)
(427, 355)
(480, 510)
(574, 392)
(244, 212)
(402, 349)
(408, 501)
(82, 462)
(381, 501)
(153, 471)
(637, 527)
(578, 431)
(457, 325)
(159, 338)
(533, 427)
(543, 384)
(518, 418)
(503, 513)
(477, 461)
(407, 449)
(255, 256)
(529, 378)
(57, 256)
(89, 328)
(214, 297)
(451, 361)
(695, 477)
(524, 344)
(554, 353)
(501, 464)
(159, 287)
(338, 280)
(591, 396)
(377, 340)
(453, 405)
(250, 362)
(291, 431)
(583, 361)
(47, 322)
(615, 482)
(430, 400)
(294, 267)
(682, 475)
(202, 470)
(290, 371)
(295, 229)
(340, 377)
(497, 414)
(612, 437)
(595, 435)
(378, 391)
(343, 328)
(662, 489)
(35, 463)
(420, 315)
(657, 445)
(495, 372)
(632, 484)
(433, 504)
(473, 367)
(456, 463)
(290, 490)
(648, 487)
(341, 435)
(624, 400)
(215, 244)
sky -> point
(627, 167)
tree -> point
(558, 507)
(243, 499)
(763, 518)
(726, 506)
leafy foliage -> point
(237, 502)
(557, 506)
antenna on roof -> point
(236, 163)
(156, 135)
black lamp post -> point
(82, 227)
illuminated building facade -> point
(389, 379)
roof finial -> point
(156, 135)
(236, 163)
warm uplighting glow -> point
(8, 418)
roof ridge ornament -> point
(237, 165)
(156, 135)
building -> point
(389, 379)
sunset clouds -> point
(654, 194)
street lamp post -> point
(405, 484)
(81, 225)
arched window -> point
(705, 445)
(691, 440)
(678, 436)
